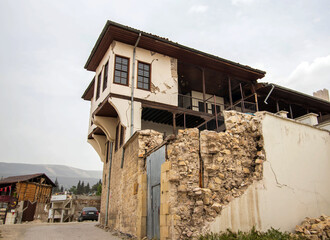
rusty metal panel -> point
(30, 208)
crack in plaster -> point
(280, 185)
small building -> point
(21, 195)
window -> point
(201, 106)
(121, 70)
(143, 81)
(213, 110)
(105, 76)
(122, 133)
(98, 86)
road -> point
(54, 231)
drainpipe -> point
(133, 81)
(109, 156)
(270, 92)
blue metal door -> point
(154, 162)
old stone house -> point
(175, 186)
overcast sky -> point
(45, 44)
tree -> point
(99, 190)
(73, 189)
(56, 188)
(87, 189)
(62, 189)
(79, 188)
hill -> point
(66, 176)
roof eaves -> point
(295, 92)
(91, 84)
(167, 41)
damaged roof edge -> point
(164, 40)
(266, 84)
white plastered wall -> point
(163, 80)
(295, 180)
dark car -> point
(88, 213)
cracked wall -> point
(295, 181)
(264, 171)
(230, 162)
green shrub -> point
(253, 234)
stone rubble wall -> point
(128, 186)
(207, 170)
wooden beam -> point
(277, 106)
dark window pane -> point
(117, 73)
(146, 86)
(201, 106)
(118, 66)
(146, 67)
(140, 85)
(117, 79)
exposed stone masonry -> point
(315, 228)
(208, 170)
(127, 204)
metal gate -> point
(154, 162)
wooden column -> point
(230, 96)
(184, 120)
(291, 113)
(174, 124)
(216, 112)
(203, 78)
(242, 96)
(255, 96)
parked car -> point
(88, 213)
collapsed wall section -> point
(206, 171)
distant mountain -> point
(66, 176)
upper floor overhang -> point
(113, 31)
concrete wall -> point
(295, 180)
(164, 85)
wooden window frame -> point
(105, 76)
(137, 76)
(98, 87)
(114, 70)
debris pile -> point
(315, 228)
